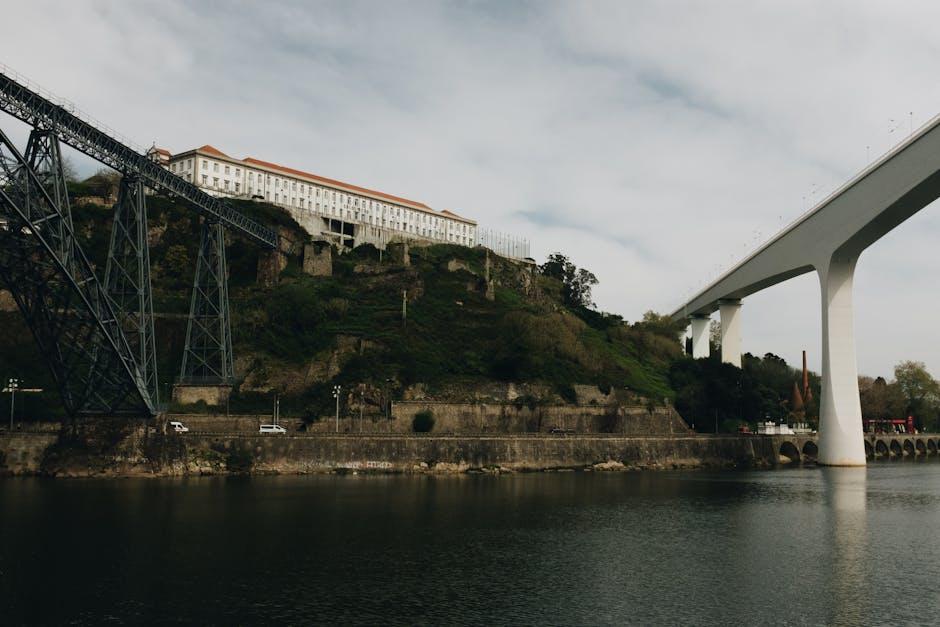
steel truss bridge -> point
(97, 335)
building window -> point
(238, 187)
(215, 167)
(215, 181)
(238, 172)
(225, 183)
(226, 170)
(205, 165)
(205, 179)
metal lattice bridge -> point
(97, 336)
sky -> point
(654, 143)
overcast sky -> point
(655, 143)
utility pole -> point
(362, 400)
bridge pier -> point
(701, 346)
(730, 312)
(841, 442)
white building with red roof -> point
(349, 214)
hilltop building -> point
(337, 211)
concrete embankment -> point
(149, 453)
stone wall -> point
(475, 418)
(407, 454)
(212, 395)
(318, 259)
(22, 453)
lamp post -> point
(336, 390)
(12, 386)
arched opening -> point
(908, 448)
(869, 450)
(920, 447)
(931, 447)
(881, 449)
(789, 454)
(810, 451)
(896, 449)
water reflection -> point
(800, 546)
(845, 492)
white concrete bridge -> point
(828, 239)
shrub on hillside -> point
(567, 392)
(423, 422)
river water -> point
(804, 546)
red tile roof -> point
(212, 150)
(355, 188)
(452, 214)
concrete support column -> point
(700, 344)
(841, 442)
(730, 312)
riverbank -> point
(144, 452)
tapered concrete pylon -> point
(730, 312)
(700, 344)
(841, 442)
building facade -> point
(344, 213)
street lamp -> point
(336, 390)
(12, 386)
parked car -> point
(178, 427)
(272, 429)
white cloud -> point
(652, 142)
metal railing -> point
(504, 244)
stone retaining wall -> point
(483, 418)
(306, 454)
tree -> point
(576, 282)
(714, 335)
(919, 389)
(68, 170)
(104, 183)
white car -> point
(272, 429)
(178, 427)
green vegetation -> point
(306, 334)
(712, 395)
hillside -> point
(462, 334)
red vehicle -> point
(891, 425)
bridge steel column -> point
(730, 312)
(127, 278)
(840, 426)
(67, 310)
(700, 338)
(207, 357)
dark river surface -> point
(803, 546)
